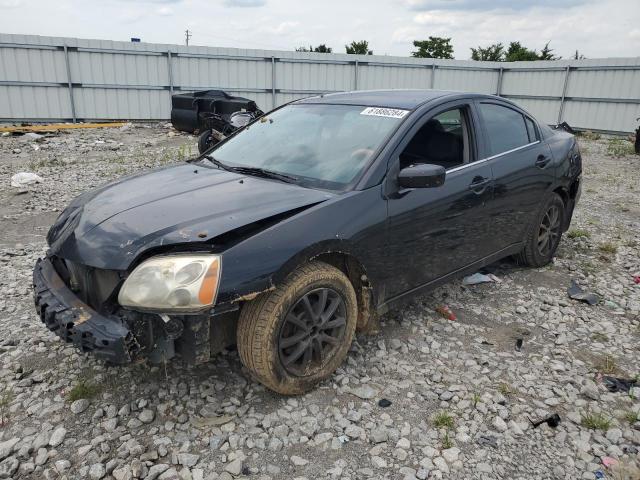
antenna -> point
(187, 36)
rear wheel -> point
(544, 237)
(293, 337)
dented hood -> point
(109, 227)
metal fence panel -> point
(371, 77)
(601, 116)
(542, 83)
(48, 78)
(33, 103)
(466, 80)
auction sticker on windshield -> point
(384, 112)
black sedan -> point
(302, 227)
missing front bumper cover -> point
(125, 336)
(108, 338)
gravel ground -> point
(461, 395)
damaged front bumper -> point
(125, 335)
(108, 338)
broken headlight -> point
(172, 283)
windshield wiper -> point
(219, 164)
(261, 172)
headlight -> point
(172, 283)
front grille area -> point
(107, 337)
(93, 286)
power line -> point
(187, 36)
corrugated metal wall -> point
(48, 78)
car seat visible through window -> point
(433, 144)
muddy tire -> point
(295, 336)
(544, 236)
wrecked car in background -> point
(300, 228)
(214, 114)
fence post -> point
(170, 70)
(433, 75)
(355, 79)
(499, 88)
(564, 94)
(69, 83)
(273, 82)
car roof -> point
(404, 99)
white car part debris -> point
(32, 136)
(23, 179)
(480, 278)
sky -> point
(597, 28)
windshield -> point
(321, 145)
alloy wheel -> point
(312, 330)
(549, 233)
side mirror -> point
(421, 176)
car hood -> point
(184, 204)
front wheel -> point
(297, 335)
(544, 237)
(206, 140)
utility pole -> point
(187, 36)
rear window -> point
(505, 128)
(531, 128)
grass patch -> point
(596, 421)
(83, 389)
(578, 233)
(446, 441)
(608, 247)
(589, 135)
(619, 147)
(6, 398)
(443, 420)
(632, 417)
(506, 389)
(607, 364)
(476, 399)
(599, 337)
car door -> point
(522, 167)
(435, 231)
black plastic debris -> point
(566, 127)
(552, 420)
(577, 293)
(384, 403)
(519, 342)
(488, 441)
(616, 384)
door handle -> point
(479, 184)
(542, 161)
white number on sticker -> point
(384, 112)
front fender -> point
(352, 224)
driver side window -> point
(443, 140)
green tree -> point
(492, 53)
(547, 53)
(517, 53)
(434, 47)
(322, 48)
(358, 48)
